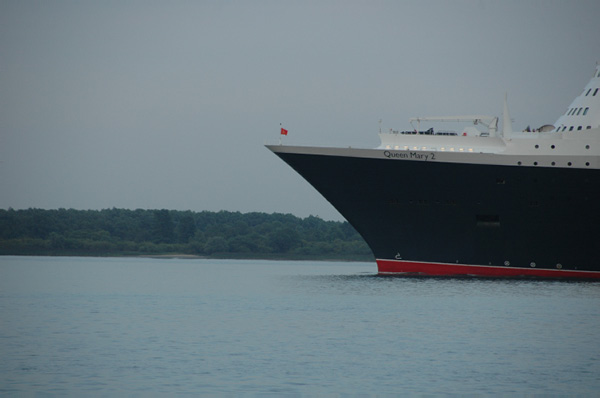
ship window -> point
(569, 163)
(586, 94)
(579, 128)
(553, 146)
(586, 111)
(588, 127)
(571, 128)
(500, 181)
(570, 111)
(564, 128)
(587, 147)
(487, 220)
(579, 111)
(595, 92)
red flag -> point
(283, 131)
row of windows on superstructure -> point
(571, 128)
(425, 148)
(577, 111)
(595, 92)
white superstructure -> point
(573, 141)
(584, 112)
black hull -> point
(471, 214)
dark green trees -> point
(223, 234)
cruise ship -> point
(484, 201)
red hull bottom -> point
(398, 267)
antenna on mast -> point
(506, 123)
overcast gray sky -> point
(168, 104)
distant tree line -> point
(150, 232)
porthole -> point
(553, 146)
(571, 128)
(587, 163)
(535, 163)
(559, 266)
(507, 263)
(532, 264)
(587, 147)
(553, 163)
(519, 163)
(569, 163)
(579, 128)
(537, 146)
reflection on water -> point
(368, 283)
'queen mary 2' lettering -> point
(409, 155)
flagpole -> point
(280, 127)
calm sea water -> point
(139, 327)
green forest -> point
(121, 232)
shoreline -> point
(183, 256)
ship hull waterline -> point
(456, 219)
(415, 268)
